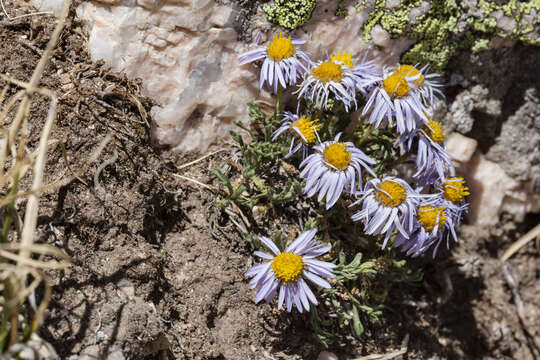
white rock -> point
(390, 4)
(489, 185)
(380, 36)
(459, 147)
(521, 202)
(55, 6)
(326, 355)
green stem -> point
(9, 211)
(401, 159)
(366, 135)
(279, 102)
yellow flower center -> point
(337, 155)
(328, 71)
(428, 215)
(287, 267)
(455, 189)
(391, 193)
(397, 85)
(344, 57)
(281, 47)
(307, 128)
(436, 132)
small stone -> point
(489, 185)
(380, 36)
(326, 355)
(460, 148)
(116, 355)
(64, 78)
(125, 288)
(390, 4)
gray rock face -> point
(517, 148)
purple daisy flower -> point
(405, 93)
(365, 73)
(332, 168)
(329, 77)
(282, 62)
(435, 221)
(287, 272)
(303, 129)
(432, 160)
(388, 204)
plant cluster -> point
(368, 171)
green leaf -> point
(357, 324)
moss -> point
(438, 34)
(290, 13)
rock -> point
(116, 355)
(489, 184)
(517, 148)
(55, 6)
(380, 36)
(460, 117)
(493, 191)
(460, 148)
(326, 355)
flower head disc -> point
(328, 71)
(308, 129)
(287, 267)
(281, 47)
(344, 57)
(434, 131)
(391, 193)
(428, 216)
(337, 155)
(455, 189)
(397, 84)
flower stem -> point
(279, 102)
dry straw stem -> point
(534, 233)
(30, 216)
(11, 18)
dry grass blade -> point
(534, 233)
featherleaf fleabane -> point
(281, 47)
(398, 84)
(391, 193)
(337, 155)
(455, 189)
(287, 267)
(328, 71)
(308, 129)
(434, 130)
(430, 216)
(288, 271)
(344, 57)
